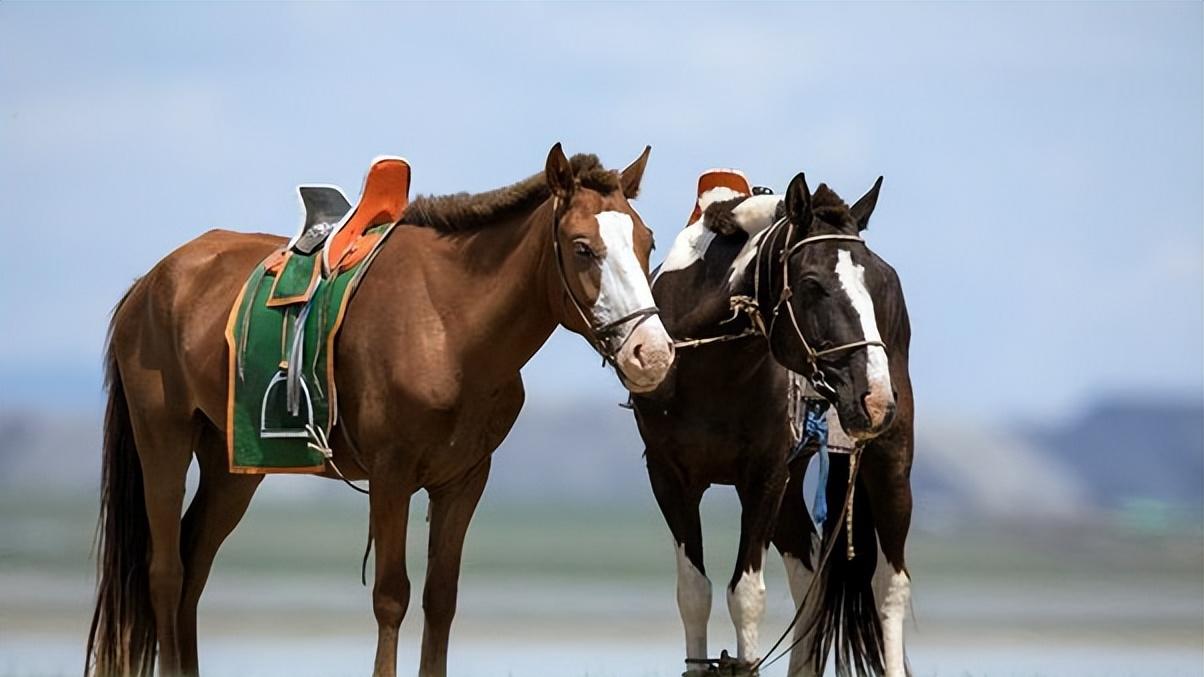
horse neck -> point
(763, 279)
(495, 281)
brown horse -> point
(462, 294)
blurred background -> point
(1043, 204)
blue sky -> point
(1044, 163)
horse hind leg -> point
(164, 442)
(220, 503)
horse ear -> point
(559, 173)
(634, 174)
(865, 206)
(798, 202)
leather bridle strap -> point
(786, 253)
(816, 376)
(599, 334)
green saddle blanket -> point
(281, 336)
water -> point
(568, 594)
(36, 655)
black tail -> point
(847, 618)
(121, 640)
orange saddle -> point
(731, 182)
(340, 229)
(385, 196)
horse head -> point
(601, 249)
(821, 318)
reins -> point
(846, 518)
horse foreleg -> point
(390, 513)
(452, 508)
(679, 505)
(220, 503)
(887, 476)
(794, 538)
(760, 497)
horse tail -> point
(846, 622)
(121, 640)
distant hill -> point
(589, 452)
(1133, 449)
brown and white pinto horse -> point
(833, 312)
(462, 294)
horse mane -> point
(719, 216)
(828, 207)
(461, 212)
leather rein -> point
(601, 335)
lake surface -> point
(585, 592)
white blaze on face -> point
(624, 288)
(852, 280)
(746, 604)
(694, 604)
(646, 352)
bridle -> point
(600, 336)
(752, 308)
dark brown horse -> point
(461, 295)
(833, 313)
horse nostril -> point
(878, 414)
(635, 352)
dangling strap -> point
(816, 428)
(850, 552)
(808, 418)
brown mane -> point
(461, 212)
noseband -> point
(752, 308)
(600, 336)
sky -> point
(1044, 163)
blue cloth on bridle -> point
(815, 428)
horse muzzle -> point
(645, 357)
(876, 414)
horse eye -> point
(813, 287)
(583, 250)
